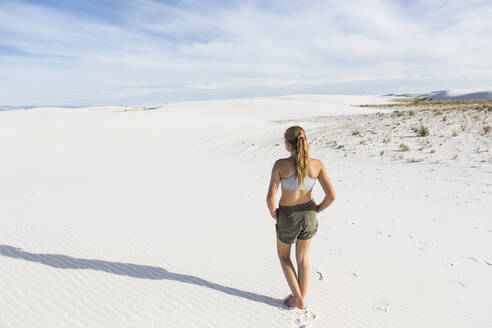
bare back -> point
(287, 168)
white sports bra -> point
(290, 183)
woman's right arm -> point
(273, 189)
(325, 182)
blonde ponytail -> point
(296, 136)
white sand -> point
(157, 218)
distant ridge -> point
(15, 107)
(453, 94)
(31, 107)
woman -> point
(296, 214)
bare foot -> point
(287, 298)
(296, 302)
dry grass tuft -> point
(486, 129)
(437, 105)
(398, 113)
(423, 131)
(404, 147)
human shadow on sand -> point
(130, 270)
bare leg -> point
(302, 247)
(296, 300)
(283, 251)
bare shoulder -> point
(280, 164)
(317, 166)
(317, 163)
(283, 161)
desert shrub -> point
(355, 132)
(422, 131)
(411, 112)
(438, 105)
(404, 147)
(455, 156)
(455, 133)
(486, 129)
(381, 152)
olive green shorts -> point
(296, 222)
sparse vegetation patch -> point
(404, 147)
(422, 131)
(418, 131)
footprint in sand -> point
(380, 233)
(381, 305)
(489, 263)
(425, 245)
(297, 318)
(337, 252)
(303, 320)
(471, 258)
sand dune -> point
(130, 217)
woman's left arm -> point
(273, 189)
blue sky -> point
(101, 52)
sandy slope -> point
(157, 218)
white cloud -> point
(235, 50)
